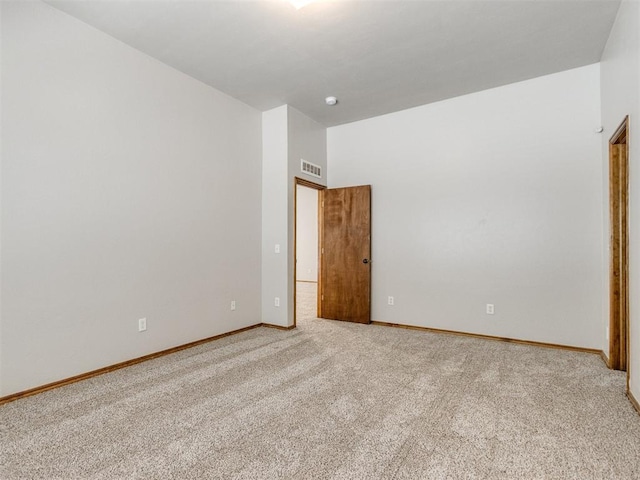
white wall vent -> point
(310, 168)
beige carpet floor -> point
(333, 400)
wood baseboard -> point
(118, 366)
(489, 337)
(605, 359)
(277, 327)
(633, 401)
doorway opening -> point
(619, 252)
(306, 251)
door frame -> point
(619, 249)
(316, 186)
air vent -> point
(311, 168)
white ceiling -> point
(375, 56)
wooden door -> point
(345, 254)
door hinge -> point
(321, 297)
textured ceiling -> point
(375, 56)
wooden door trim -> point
(306, 183)
(620, 135)
(316, 186)
(619, 251)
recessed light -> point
(331, 101)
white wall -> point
(1, 150)
(620, 80)
(129, 190)
(284, 130)
(493, 197)
(307, 234)
(275, 147)
(307, 140)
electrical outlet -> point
(277, 249)
(276, 301)
(390, 301)
(233, 304)
(142, 324)
(489, 308)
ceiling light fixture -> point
(298, 4)
(331, 101)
